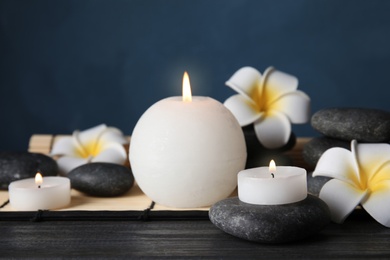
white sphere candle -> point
(187, 152)
(265, 186)
(39, 194)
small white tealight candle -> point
(272, 185)
(39, 193)
(186, 151)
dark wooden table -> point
(359, 237)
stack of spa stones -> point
(339, 126)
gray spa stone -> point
(101, 179)
(21, 165)
(362, 124)
(270, 223)
(315, 184)
(313, 149)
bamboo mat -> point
(135, 199)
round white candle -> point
(25, 195)
(187, 153)
(257, 186)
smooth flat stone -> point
(315, 184)
(22, 165)
(313, 150)
(270, 223)
(101, 179)
(362, 124)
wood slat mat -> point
(134, 203)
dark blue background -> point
(68, 65)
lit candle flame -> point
(272, 166)
(187, 96)
(38, 179)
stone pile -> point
(339, 126)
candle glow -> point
(272, 166)
(187, 96)
(38, 179)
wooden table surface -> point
(359, 237)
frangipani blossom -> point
(361, 176)
(97, 144)
(270, 101)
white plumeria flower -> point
(272, 102)
(97, 144)
(361, 176)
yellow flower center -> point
(265, 100)
(371, 177)
(380, 179)
(91, 149)
(364, 184)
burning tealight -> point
(38, 179)
(39, 193)
(186, 151)
(272, 207)
(272, 185)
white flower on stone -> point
(361, 176)
(270, 101)
(97, 144)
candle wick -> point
(273, 176)
(39, 186)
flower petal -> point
(341, 198)
(377, 204)
(371, 158)
(296, 105)
(114, 135)
(111, 153)
(338, 163)
(244, 109)
(64, 145)
(382, 174)
(68, 163)
(245, 81)
(275, 83)
(91, 135)
(273, 130)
